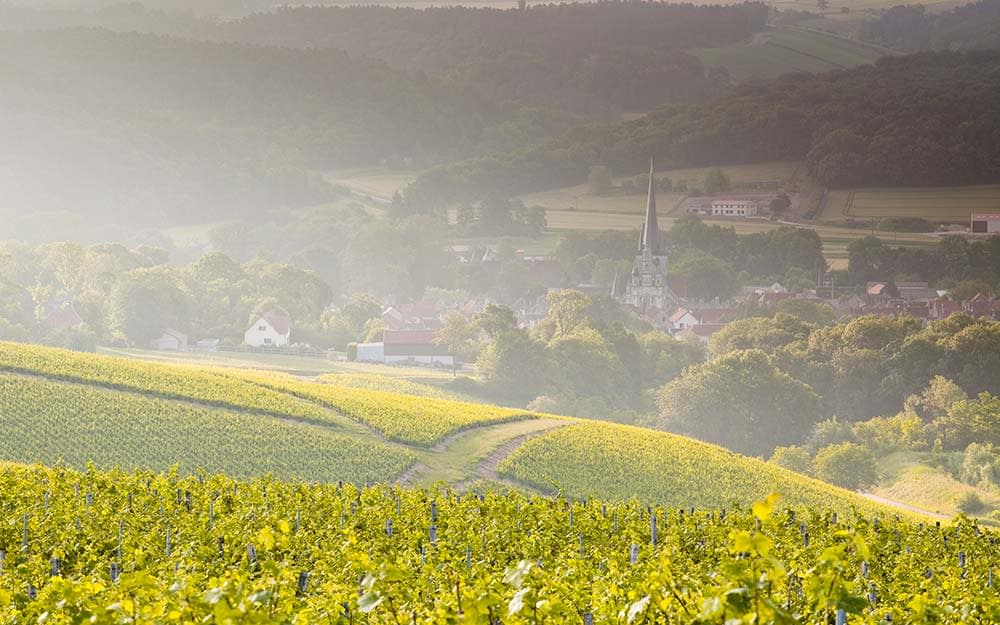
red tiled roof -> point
(281, 323)
(714, 315)
(408, 337)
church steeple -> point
(651, 229)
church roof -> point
(651, 229)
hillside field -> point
(939, 204)
(70, 408)
(786, 50)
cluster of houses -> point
(273, 329)
(880, 298)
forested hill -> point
(913, 27)
(131, 127)
(601, 58)
(587, 57)
(926, 119)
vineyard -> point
(611, 460)
(421, 421)
(145, 548)
(52, 422)
(397, 416)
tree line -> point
(148, 130)
(922, 120)
(913, 28)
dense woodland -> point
(151, 130)
(925, 119)
(607, 57)
(598, 58)
(912, 27)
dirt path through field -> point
(904, 506)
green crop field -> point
(936, 204)
(786, 50)
(56, 422)
(72, 407)
(607, 459)
(577, 198)
(121, 547)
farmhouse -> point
(983, 223)
(734, 208)
(272, 329)
(170, 340)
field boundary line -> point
(487, 468)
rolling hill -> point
(73, 408)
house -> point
(734, 208)
(62, 316)
(984, 223)
(981, 306)
(170, 340)
(272, 329)
(687, 319)
(942, 308)
(415, 346)
(682, 319)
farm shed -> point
(983, 223)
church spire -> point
(651, 230)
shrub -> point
(887, 434)
(970, 503)
(830, 432)
(980, 464)
(846, 464)
(793, 457)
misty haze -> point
(499, 312)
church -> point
(646, 290)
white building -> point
(170, 340)
(415, 346)
(273, 329)
(734, 208)
(371, 352)
(683, 319)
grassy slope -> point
(906, 477)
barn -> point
(983, 223)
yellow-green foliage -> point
(398, 416)
(406, 418)
(610, 460)
(168, 381)
(386, 383)
(50, 422)
(267, 552)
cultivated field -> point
(577, 198)
(940, 204)
(786, 50)
(377, 183)
(124, 547)
(73, 407)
